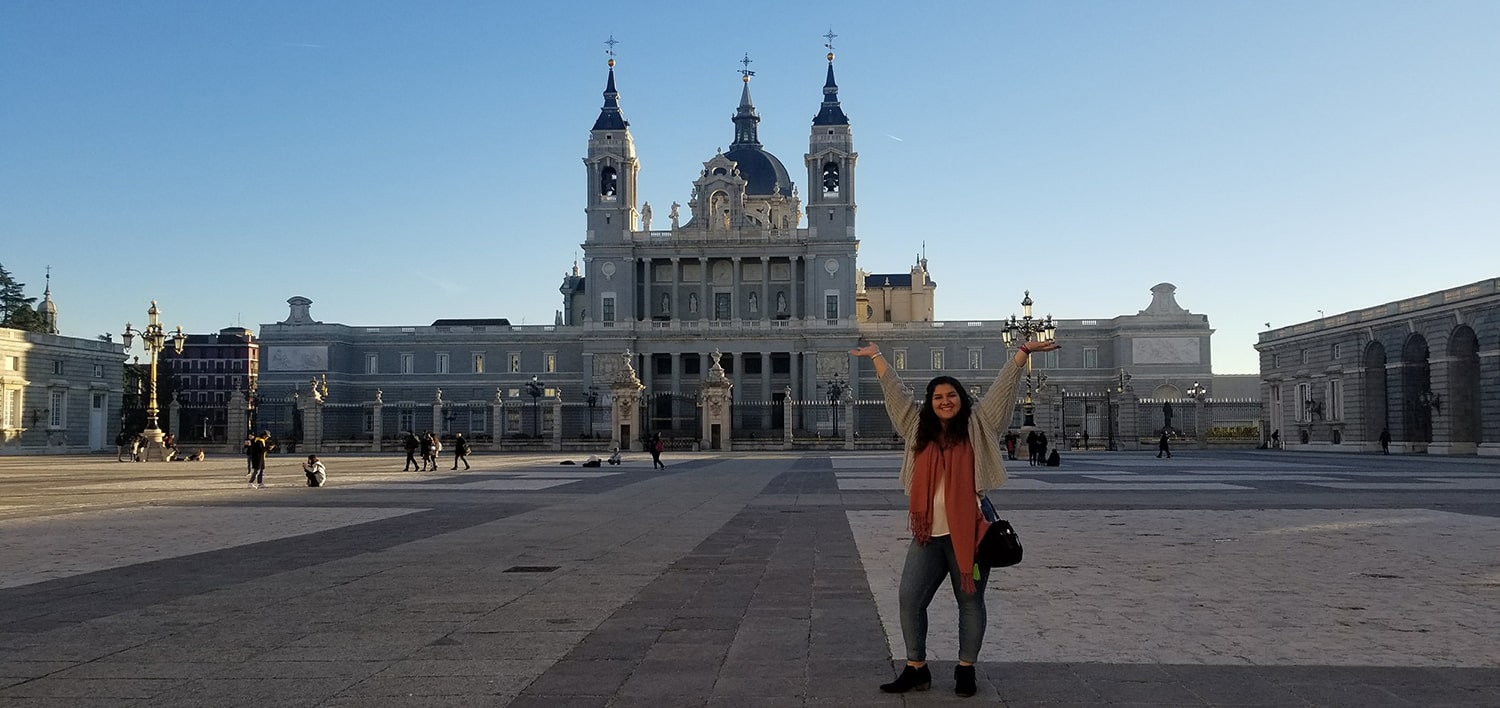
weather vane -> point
(611, 42)
(829, 37)
(746, 72)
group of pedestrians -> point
(430, 447)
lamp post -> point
(534, 388)
(1021, 331)
(836, 389)
(1111, 396)
(591, 398)
(154, 340)
(1198, 394)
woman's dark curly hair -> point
(930, 427)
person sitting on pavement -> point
(316, 473)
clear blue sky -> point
(399, 162)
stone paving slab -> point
(1260, 587)
(739, 580)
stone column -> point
(437, 414)
(377, 422)
(737, 296)
(236, 422)
(705, 305)
(677, 307)
(1127, 426)
(848, 406)
(765, 385)
(557, 426)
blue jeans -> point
(926, 567)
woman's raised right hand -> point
(868, 350)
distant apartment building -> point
(201, 379)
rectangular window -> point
(1090, 357)
(515, 363)
(408, 363)
(753, 363)
(1303, 352)
(57, 367)
(608, 311)
(900, 359)
(781, 363)
(406, 419)
(476, 420)
(1275, 361)
(59, 409)
(1304, 402)
(937, 359)
(369, 422)
(442, 363)
(10, 412)
(372, 363)
(549, 363)
(12, 363)
(1338, 350)
(478, 363)
(1049, 359)
(722, 309)
(976, 359)
(98, 371)
(1335, 405)
(831, 305)
(513, 421)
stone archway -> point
(1416, 380)
(1461, 400)
(1376, 394)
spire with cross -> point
(746, 73)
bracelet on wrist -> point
(876, 354)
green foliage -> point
(16, 311)
(1234, 432)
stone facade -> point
(58, 394)
(1425, 369)
(755, 270)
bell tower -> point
(830, 167)
(612, 168)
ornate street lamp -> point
(837, 387)
(534, 387)
(591, 398)
(154, 340)
(1198, 393)
(1021, 331)
(1111, 394)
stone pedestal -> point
(625, 397)
(786, 420)
(311, 408)
(718, 424)
(377, 423)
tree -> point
(16, 311)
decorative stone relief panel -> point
(1165, 350)
(781, 271)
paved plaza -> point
(1248, 578)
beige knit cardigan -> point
(987, 422)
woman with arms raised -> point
(953, 456)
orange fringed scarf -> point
(955, 465)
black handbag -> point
(1000, 547)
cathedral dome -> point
(763, 172)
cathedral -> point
(753, 280)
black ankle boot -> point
(963, 680)
(911, 678)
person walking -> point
(1033, 454)
(1385, 441)
(412, 445)
(952, 458)
(260, 446)
(316, 473)
(121, 441)
(657, 446)
(430, 449)
(1164, 445)
(460, 450)
(1275, 438)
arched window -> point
(831, 177)
(609, 183)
